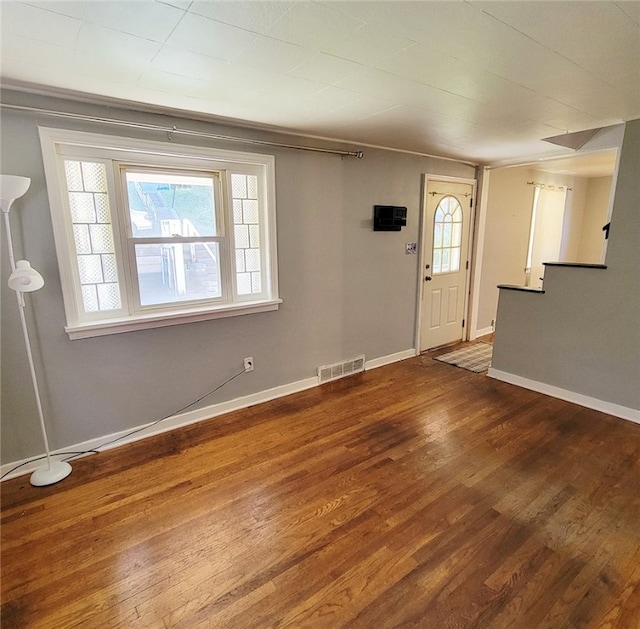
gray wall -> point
(346, 289)
(583, 333)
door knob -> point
(427, 266)
(427, 279)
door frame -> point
(426, 180)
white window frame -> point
(58, 144)
(129, 242)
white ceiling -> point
(480, 81)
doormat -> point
(476, 358)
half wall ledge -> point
(524, 289)
(579, 265)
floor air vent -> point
(340, 370)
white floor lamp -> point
(24, 279)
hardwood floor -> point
(414, 495)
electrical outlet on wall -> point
(248, 363)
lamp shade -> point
(11, 188)
(25, 279)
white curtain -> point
(545, 239)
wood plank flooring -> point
(414, 495)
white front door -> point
(444, 276)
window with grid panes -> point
(150, 234)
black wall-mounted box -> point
(389, 218)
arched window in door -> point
(447, 236)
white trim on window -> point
(254, 220)
(142, 322)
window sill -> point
(144, 322)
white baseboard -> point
(184, 419)
(610, 408)
(482, 332)
(391, 358)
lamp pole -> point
(25, 279)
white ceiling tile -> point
(313, 113)
(189, 64)
(627, 81)
(363, 11)
(541, 70)
(252, 15)
(460, 30)
(208, 37)
(170, 100)
(313, 26)
(82, 65)
(432, 68)
(328, 100)
(167, 82)
(178, 4)
(71, 8)
(372, 82)
(274, 55)
(400, 127)
(368, 44)
(421, 21)
(114, 48)
(542, 109)
(150, 20)
(603, 59)
(365, 107)
(572, 22)
(36, 73)
(422, 64)
(279, 87)
(562, 81)
(405, 92)
(41, 24)
(224, 92)
(325, 68)
(33, 51)
(612, 106)
(593, 35)
(573, 122)
(401, 117)
(606, 46)
(630, 9)
(530, 18)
